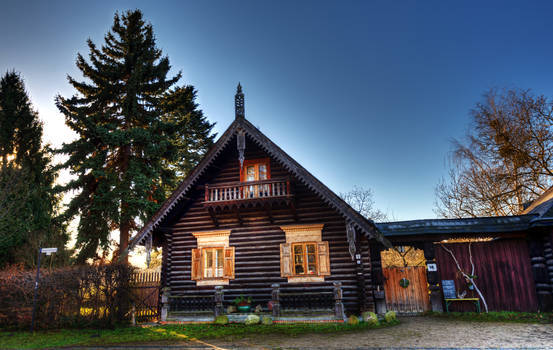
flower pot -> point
(244, 308)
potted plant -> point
(243, 304)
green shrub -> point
(252, 319)
(353, 320)
(390, 316)
(267, 320)
(370, 318)
(221, 319)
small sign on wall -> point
(432, 267)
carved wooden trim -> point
(218, 238)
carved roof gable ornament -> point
(239, 103)
(241, 144)
(239, 114)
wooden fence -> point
(145, 295)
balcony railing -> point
(241, 191)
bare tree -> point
(361, 199)
(470, 278)
(506, 160)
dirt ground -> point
(412, 333)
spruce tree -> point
(123, 141)
(192, 136)
(27, 200)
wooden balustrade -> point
(241, 191)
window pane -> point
(219, 260)
(262, 172)
(312, 269)
(310, 248)
(250, 173)
(298, 270)
(298, 249)
(208, 263)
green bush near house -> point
(353, 320)
(222, 319)
(390, 316)
(252, 319)
(370, 318)
(266, 320)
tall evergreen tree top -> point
(123, 142)
(20, 127)
(27, 201)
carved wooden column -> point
(275, 299)
(377, 277)
(433, 277)
(219, 310)
(338, 305)
(536, 244)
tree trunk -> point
(124, 229)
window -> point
(256, 170)
(305, 256)
(212, 263)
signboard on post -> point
(48, 251)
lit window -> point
(305, 258)
(213, 262)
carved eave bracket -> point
(352, 238)
(148, 245)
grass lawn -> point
(498, 316)
(72, 337)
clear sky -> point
(360, 92)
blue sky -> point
(360, 92)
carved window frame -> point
(209, 240)
(304, 234)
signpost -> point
(47, 251)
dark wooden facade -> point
(215, 197)
(256, 236)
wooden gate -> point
(409, 295)
(145, 295)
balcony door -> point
(256, 170)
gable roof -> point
(366, 226)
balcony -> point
(250, 194)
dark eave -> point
(458, 226)
(241, 124)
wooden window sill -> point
(213, 282)
(305, 279)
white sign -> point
(432, 267)
(48, 251)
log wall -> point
(257, 240)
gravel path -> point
(412, 333)
(419, 332)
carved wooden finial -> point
(239, 102)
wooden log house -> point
(251, 221)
